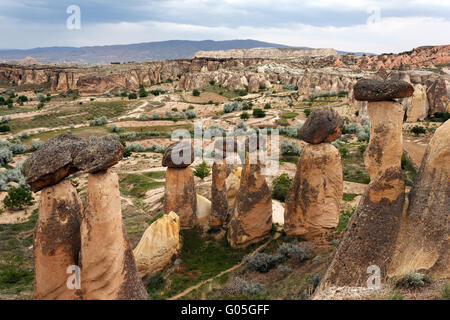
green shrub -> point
(445, 291)
(413, 280)
(5, 128)
(142, 93)
(98, 122)
(196, 93)
(267, 106)
(259, 113)
(418, 130)
(280, 187)
(132, 96)
(244, 115)
(289, 148)
(307, 112)
(5, 156)
(261, 262)
(18, 198)
(202, 171)
(126, 153)
(343, 220)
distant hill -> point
(174, 49)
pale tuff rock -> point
(417, 106)
(159, 245)
(252, 217)
(438, 94)
(370, 236)
(219, 201)
(233, 182)
(56, 242)
(108, 269)
(203, 211)
(347, 293)
(371, 233)
(314, 198)
(266, 53)
(385, 147)
(423, 241)
(180, 195)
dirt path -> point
(189, 290)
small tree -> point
(418, 130)
(18, 198)
(132, 96)
(280, 187)
(196, 93)
(307, 112)
(202, 171)
(142, 92)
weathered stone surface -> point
(203, 211)
(233, 183)
(370, 236)
(100, 155)
(385, 146)
(179, 155)
(180, 195)
(159, 245)
(323, 125)
(108, 269)
(438, 95)
(53, 161)
(417, 107)
(56, 242)
(314, 198)
(252, 217)
(423, 241)
(375, 90)
(219, 201)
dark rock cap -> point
(66, 154)
(179, 155)
(323, 125)
(376, 90)
(99, 156)
(53, 161)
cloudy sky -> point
(353, 25)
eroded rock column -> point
(252, 216)
(314, 198)
(180, 196)
(108, 269)
(370, 236)
(423, 240)
(56, 242)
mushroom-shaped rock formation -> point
(323, 125)
(56, 242)
(375, 90)
(179, 155)
(53, 161)
(158, 245)
(423, 240)
(371, 233)
(108, 268)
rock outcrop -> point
(417, 106)
(203, 211)
(314, 198)
(264, 53)
(219, 200)
(56, 242)
(323, 125)
(108, 268)
(423, 241)
(252, 216)
(180, 195)
(376, 90)
(159, 245)
(233, 183)
(53, 161)
(371, 233)
(67, 154)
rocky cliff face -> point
(265, 53)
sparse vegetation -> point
(280, 187)
(18, 198)
(202, 171)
